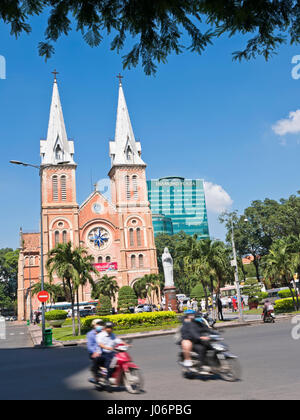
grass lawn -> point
(65, 334)
(257, 311)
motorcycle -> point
(208, 321)
(125, 373)
(218, 361)
(269, 316)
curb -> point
(36, 334)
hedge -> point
(55, 315)
(284, 305)
(283, 294)
(126, 321)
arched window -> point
(31, 261)
(54, 188)
(131, 238)
(141, 261)
(133, 261)
(56, 237)
(135, 187)
(64, 235)
(138, 237)
(127, 187)
(107, 259)
(63, 187)
(100, 260)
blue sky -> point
(199, 117)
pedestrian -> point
(220, 308)
(229, 302)
(194, 305)
(234, 304)
(37, 318)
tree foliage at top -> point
(157, 27)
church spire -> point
(124, 150)
(57, 148)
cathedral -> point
(118, 233)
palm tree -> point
(282, 262)
(62, 263)
(85, 268)
(107, 286)
(148, 287)
(55, 290)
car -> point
(139, 309)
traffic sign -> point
(43, 296)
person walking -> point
(220, 309)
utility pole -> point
(236, 275)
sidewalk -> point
(232, 322)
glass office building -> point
(181, 200)
(162, 224)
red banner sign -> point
(112, 266)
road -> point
(268, 354)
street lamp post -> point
(40, 167)
(236, 275)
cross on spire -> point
(55, 74)
(120, 77)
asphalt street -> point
(268, 355)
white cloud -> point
(290, 125)
(217, 199)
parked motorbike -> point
(269, 317)
(218, 361)
(125, 373)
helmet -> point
(189, 312)
(97, 322)
(109, 325)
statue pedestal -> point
(170, 298)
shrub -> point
(104, 305)
(55, 315)
(126, 299)
(284, 305)
(283, 294)
(126, 321)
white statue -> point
(167, 262)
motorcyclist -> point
(193, 333)
(93, 349)
(107, 341)
(267, 307)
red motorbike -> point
(125, 372)
(268, 316)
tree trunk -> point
(291, 290)
(72, 306)
(78, 314)
(205, 294)
(256, 265)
